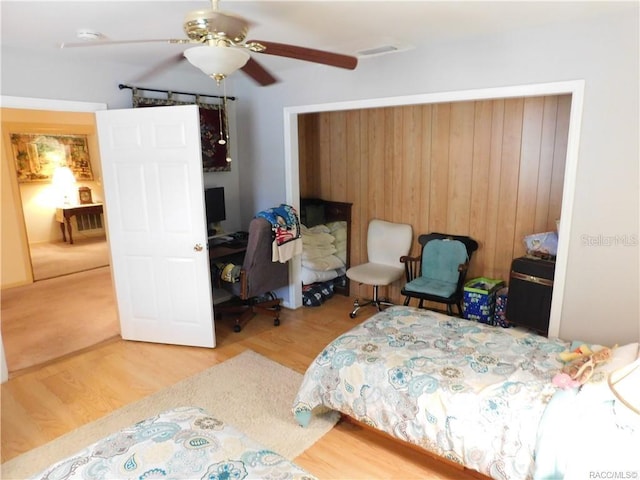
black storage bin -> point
(530, 291)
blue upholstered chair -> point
(439, 273)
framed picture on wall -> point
(37, 156)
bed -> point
(182, 443)
(471, 393)
(326, 236)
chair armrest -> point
(244, 285)
(463, 267)
(411, 266)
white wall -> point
(42, 78)
(601, 294)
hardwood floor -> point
(41, 404)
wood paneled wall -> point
(491, 169)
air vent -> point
(377, 51)
(382, 50)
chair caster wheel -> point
(237, 328)
(276, 322)
(352, 315)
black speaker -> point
(530, 292)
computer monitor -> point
(214, 205)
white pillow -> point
(330, 262)
(312, 276)
(341, 235)
(319, 229)
(310, 252)
(341, 251)
(335, 226)
(319, 238)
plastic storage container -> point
(480, 298)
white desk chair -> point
(386, 243)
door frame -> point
(29, 103)
(573, 87)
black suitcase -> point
(530, 291)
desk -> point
(217, 252)
(225, 249)
(64, 214)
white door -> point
(154, 207)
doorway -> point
(82, 304)
(573, 88)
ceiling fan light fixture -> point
(217, 61)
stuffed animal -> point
(580, 365)
(581, 368)
(581, 351)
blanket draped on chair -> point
(285, 225)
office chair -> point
(259, 276)
(386, 243)
(439, 273)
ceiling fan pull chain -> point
(226, 120)
(221, 140)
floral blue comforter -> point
(467, 391)
(183, 443)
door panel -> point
(154, 193)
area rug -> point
(249, 391)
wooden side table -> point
(64, 214)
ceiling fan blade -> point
(160, 67)
(122, 42)
(258, 73)
(308, 54)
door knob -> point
(197, 247)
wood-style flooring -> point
(41, 404)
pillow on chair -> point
(440, 261)
(432, 287)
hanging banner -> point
(214, 132)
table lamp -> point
(63, 180)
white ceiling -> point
(343, 27)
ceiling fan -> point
(221, 48)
